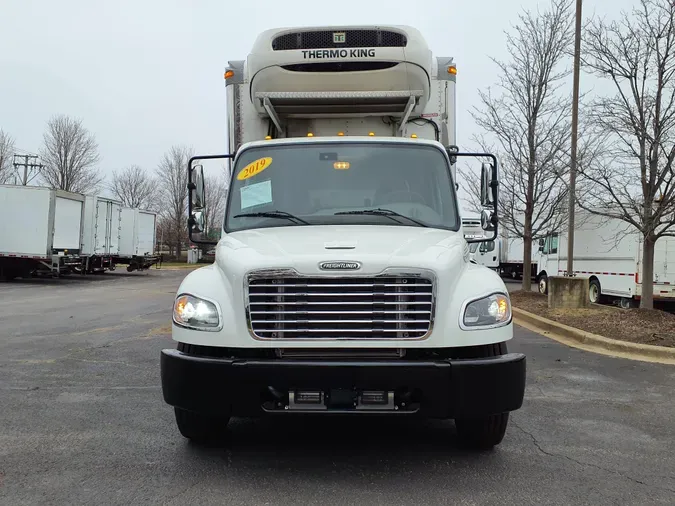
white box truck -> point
(510, 252)
(486, 252)
(137, 239)
(101, 237)
(342, 281)
(609, 253)
(40, 231)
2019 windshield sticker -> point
(254, 168)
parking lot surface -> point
(83, 422)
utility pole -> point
(26, 166)
(573, 161)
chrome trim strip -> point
(387, 272)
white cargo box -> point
(39, 222)
(137, 232)
(102, 222)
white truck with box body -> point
(40, 231)
(608, 252)
(137, 239)
(101, 236)
(486, 252)
(342, 281)
(510, 252)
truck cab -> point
(342, 282)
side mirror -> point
(542, 242)
(198, 216)
(488, 185)
(488, 220)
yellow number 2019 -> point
(254, 168)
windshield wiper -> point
(273, 214)
(384, 212)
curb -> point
(594, 342)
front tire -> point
(594, 292)
(198, 427)
(543, 284)
(485, 432)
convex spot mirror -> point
(488, 220)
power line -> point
(27, 168)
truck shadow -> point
(315, 445)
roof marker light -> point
(340, 134)
(310, 134)
(268, 137)
(371, 134)
(414, 136)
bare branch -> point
(6, 156)
(135, 187)
(634, 180)
(529, 120)
(69, 154)
(172, 179)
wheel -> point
(488, 431)
(483, 433)
(543, 284)
(627, 303)
(594, 292)
(198, 427)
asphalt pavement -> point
(83, 422)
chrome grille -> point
(345, 307)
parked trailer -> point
(101, 236)
(137, 239)
(609, 253)
(40, 231)
(510, 252)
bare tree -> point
(172, 189)
(216, 193)
(529, 121)
(6, 156)
(135, 187)
(70, 154)
(635, 180)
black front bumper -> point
(442, 388)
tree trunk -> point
(527, 252)
(647, 280)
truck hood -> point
(375, 246)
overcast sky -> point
(146, 74)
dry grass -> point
(646, 326)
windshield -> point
(300, 184)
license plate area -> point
(340, 400)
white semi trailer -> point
(40, 231)
(342, 281)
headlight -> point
(492, 310)
(195, 313)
